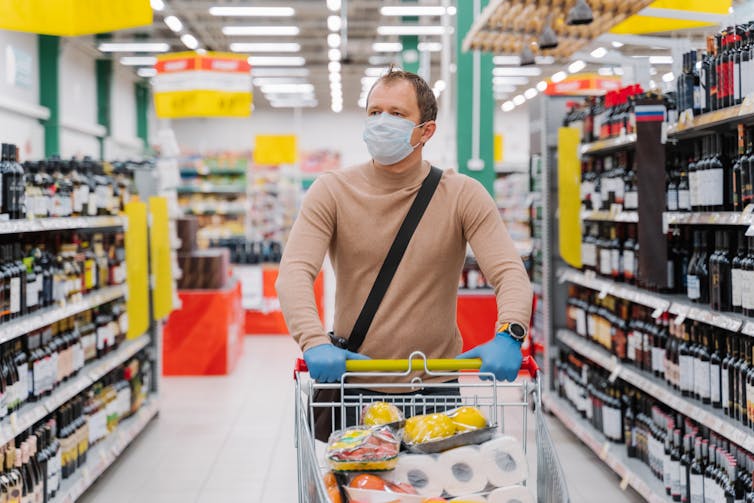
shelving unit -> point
(632, 472)
(690, 127)
(709, 417)
(604, 146)
(710, 218)
(60, 224)
(212, 189)
(609, 216)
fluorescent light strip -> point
(189, 41)
(375, 71)
(541, 86)
(519, 99)
(265, 47)
(280, 72)
(333, 40)
(239, 11)
(530, 93)
(387, 47)
(287, 88)
(134, 47)
(599, 52)
(412, 10)
(173, 23)
(276, 61)
(271, 81)
(504, 88)
(505, 71)
(661, 60)
(157, 5)
(508, 106)
(261, 30)
(146, 72)
(516, 60)
(333, 5)
(668, 77)
(333, 66)
(333, 54)
(138, 60)
(514, 81)
(559, 77)
(411, 30)
(576, 66)
(334, 23)
(430, 46)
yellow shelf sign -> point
(73, 17)
(137, 269)
(214, 84)
(569, 202)
(639, 25)
(498, 148)
(162, 270)
(273, 150)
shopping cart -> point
(504, 403)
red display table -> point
(204, 336)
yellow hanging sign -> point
(273, 150)
(638, 25)
(214, 84)
(569, 200)
(159, 246)
(498, 148)
(73, 17)
(137, 270)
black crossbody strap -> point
(393, 258)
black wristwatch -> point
(516, 330)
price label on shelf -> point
(604, 291)
(614, 374)
(624, 482)
(604, 451)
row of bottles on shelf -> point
(722, 76)
(56, 268)
(243, 251)
(708, 364)
(61, 188)
(692, 463)
(472, 277)
(33, 465)
(33, 366)
(607, 116)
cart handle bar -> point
(528, 364)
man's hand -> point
(327, 363)
(501, 357)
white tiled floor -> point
(229, 439)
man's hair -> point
(425, 98)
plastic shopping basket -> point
(505, 404)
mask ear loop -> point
(420, 143)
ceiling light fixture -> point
(542, 86)
(134, 47)
(374, 72)
(452, 10)
(605, 71)
(548, 39)
(519, 99)
(189, 41)
(333, 66)
(138, 60)
(243, 11)
(668, 77)
(429, 46)
(580, 13)
(334, 23)
(412, 10)
(559, 77)
(288, 89)
(508, 106)
(261, 30)
(599, 52)
(527, 57)
(335, 77)
(661, 60)
(576, 66)
(512, 71)
(336, 108)
(530, 93)
(333, 40)
(411, 30)
(387, 47)
(618, 70)
(276, 61)
(157, 5)
(440, 85)
(271, 81)
(333, 5)
(280, 72)
(173, 23)
(617, 44)
(265, 47)
(334, 54)
(513, 81)
(504, 88)
(146, 72)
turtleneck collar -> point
(385, 179)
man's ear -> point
(429, 131)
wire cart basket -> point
(507, 405)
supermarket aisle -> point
(229, 439)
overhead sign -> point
(73, 17)
(584, 84)
(214, 84)
(275, 149)
(638, 25)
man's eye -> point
(398, 114)
(374, 112)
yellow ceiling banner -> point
(73, 17)
(214, 84)
(273, 150)
(639, 25)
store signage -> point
(583, 85)
(275, 149)
(19, 67)
(73, 17)
(673, 18)
(188, 84)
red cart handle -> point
(528, 364)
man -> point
(354, 214)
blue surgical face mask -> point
(388, 138)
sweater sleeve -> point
(496, 254)
(302, 260)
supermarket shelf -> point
(212, 189)
(708, 218)
(604, 146)
(213, 172)
(675, 304)
(209, 213)
(59, 224)
(658, 389)
(49, 315)
(632, 472)
(476, 292)
(610, 216)
(31, 413)
(536, 288)
(104, 454)
(696, 126)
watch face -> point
(517, 330)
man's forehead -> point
(394, 93)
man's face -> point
(398, 98)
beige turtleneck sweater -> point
(354, 214)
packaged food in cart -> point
(382, 414)
(433, 433)
(363, 449)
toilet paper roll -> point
(421, 471)
(511, 494)
(469, 499)
(462, 471)
(504, 461)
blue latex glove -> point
(501, 357)
(327, 363)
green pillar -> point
(104, 72)
(471, 111)
(48, 49)
(410, 53)
(142, 108)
